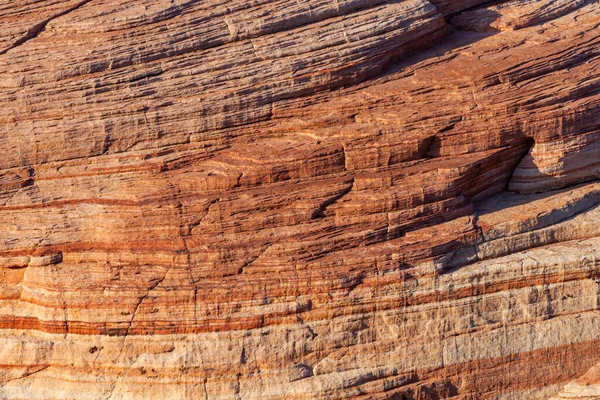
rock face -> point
(299, 199)
(585, 388)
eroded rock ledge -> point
(350, 199)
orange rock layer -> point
(299, 200)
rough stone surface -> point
(299, 199)
(587, 387)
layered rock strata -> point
(350, 199)
(587, 387)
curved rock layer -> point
(299, 199)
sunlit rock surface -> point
(299, 199)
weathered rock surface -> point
(515, 14)
(586, 387)
(351, 199)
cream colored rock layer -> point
(414, 350)
(586, 387)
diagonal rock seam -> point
(36, 29)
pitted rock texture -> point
(299, 199)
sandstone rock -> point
(317, 199)
(587, 387)
(448, 7)
(514, 14)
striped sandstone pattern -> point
(299, 199)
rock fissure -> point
(38, 28)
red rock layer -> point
(348, 199)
